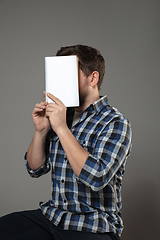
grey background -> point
(128, 35)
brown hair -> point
(90, 59)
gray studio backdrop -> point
(128, 35)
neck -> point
(88, 101)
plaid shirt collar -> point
(100, 104)
(96, 106)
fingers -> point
(39, 107)
(56, 100)
(51, 107)
(44, 96)
(45, 107)
(54, 109)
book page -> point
(61, 79)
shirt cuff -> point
(45, 168)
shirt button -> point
(65, 200)
(77, 179)
(84, 142)
(62, 180)
(65, 158)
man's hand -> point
(40, 120)
(56, 112)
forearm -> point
(76, 154)
(36, 152)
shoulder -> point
(114, 119)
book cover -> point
(61, 79)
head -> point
(89, 60)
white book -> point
(61, 79)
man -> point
(86, 149)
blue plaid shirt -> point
(92, 201)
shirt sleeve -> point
(45, 168)
(111, 150)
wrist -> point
(62, 131)
(41, 134)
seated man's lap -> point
(31, 225)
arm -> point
(111, 151)
(76, 154)
(110, 154)
(36, 153)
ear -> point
(94, 78)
